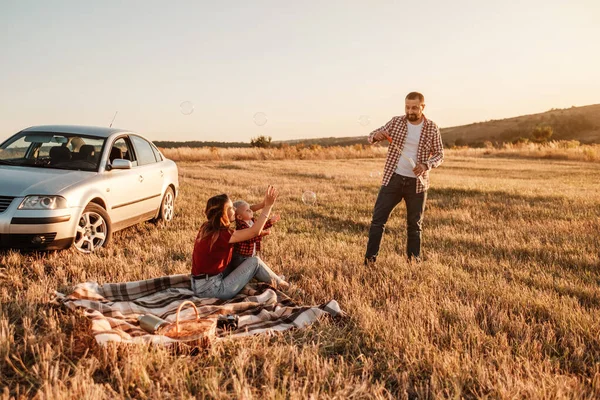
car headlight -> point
(43, 203)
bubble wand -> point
(410, 160)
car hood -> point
(23, 181)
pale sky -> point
(313, 67)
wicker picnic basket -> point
(189, 330)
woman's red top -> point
(212, 260)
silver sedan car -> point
(63, 186)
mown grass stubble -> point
(505, 304)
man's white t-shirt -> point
(411, 145)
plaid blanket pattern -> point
(114, 307)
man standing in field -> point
(415, 148)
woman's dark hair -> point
(216, 218)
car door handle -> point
(141, 178)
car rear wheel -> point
(167, 206)
(93, 230)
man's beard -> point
(412, 117)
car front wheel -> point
(94, 230)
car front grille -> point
(5, 202)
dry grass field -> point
(505, 305)
(555, 150)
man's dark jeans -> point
(400, 187)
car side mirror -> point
(119, 163)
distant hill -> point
(575, 123)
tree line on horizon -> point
(538, 128)
(264, 142)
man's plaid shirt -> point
(246, 248)
(430, 151)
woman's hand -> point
(270, 196)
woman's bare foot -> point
(283, 285)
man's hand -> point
(275, 218)
(420, 169)
(381, 135)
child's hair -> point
(238, 204)
(216, 218)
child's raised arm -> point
(259, 206)
(256, 229)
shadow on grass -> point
(451, 198)
(321, 221)
(495, 203)
(466, 248)
(317, 176)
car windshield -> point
(52, 150)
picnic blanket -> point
(114, 308)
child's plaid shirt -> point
(246, 248)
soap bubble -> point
(364, 120)
(375, 174)
(187, 107)
(260, 118)
(309, 198)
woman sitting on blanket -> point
(213, 272)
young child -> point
(244, 218)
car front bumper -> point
(37, 229)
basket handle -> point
(179, 310)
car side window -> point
(121, 148)
(144, 151)
(157, 154)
